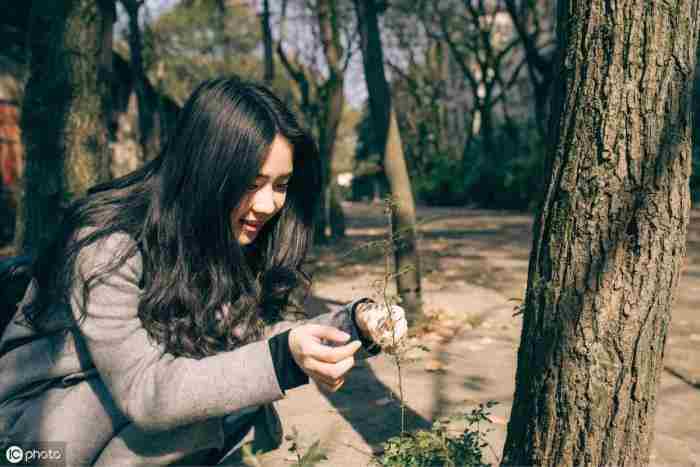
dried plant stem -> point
(387, 275)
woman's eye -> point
(253, 187)
(283, 186)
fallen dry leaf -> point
(446, 332)
(496, 420)
(434, 365)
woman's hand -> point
(324, 364)
(385, 327)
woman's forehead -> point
(279, 161)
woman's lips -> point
(251, 226)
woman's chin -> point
(246, 238)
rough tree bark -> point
(610, 237)
(64, 111)
(388, 140)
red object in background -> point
(11, 162)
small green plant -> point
(308, 458)
(313, 455)
(441, 446)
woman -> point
(154, 331)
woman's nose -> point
(264, 201)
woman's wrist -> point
(289, 374)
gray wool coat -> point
(116, 398)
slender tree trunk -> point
(222, 26)
(540, 68)
(610, 238)
(269, 75)
(147, 135)
(332, 102)
(388, 139)
(489, 155)
(64, 127)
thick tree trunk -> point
(64, 112)
(388, 139)
(610, 238)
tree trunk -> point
(388, 139)
(610, 237)
(269, 75)
(64, 112)
(540, 68)
(488, 176)
(332, 102)
(148, 137)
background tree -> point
(695, 178)
(388, 141)
(269, 54)
(66, 101)
(430, 98)
(463, 101)
(148, 143)
(195, 40)
(534, 24)
(322, 97)
(610, 238)
(479, 37)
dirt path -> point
(474, 263)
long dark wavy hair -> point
(198, 283)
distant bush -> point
(442, 184)
(512, 177)
(509, 179)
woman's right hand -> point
(326, 365)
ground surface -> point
(474, 263)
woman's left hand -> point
(385, 326)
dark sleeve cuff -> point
(289, 375)
(367, 344)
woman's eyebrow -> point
(281, 176)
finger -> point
(332, 371)
(330, 387)
(329, 333)
(338, 385)
(329, 354)
(322, 380)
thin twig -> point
(387, 275)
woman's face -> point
(267, 195)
